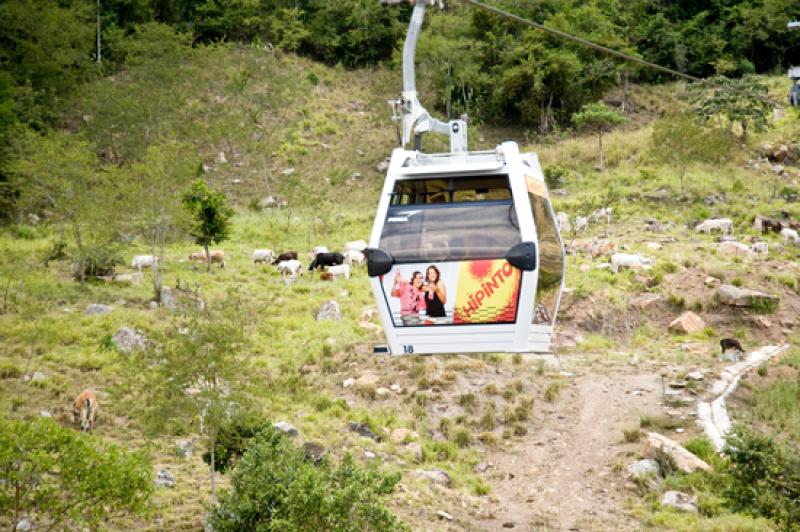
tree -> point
(599, 118)
(276, 488)
(678, 140)
(742, 101)
(68, 480)
(154, 191)
(210, 216)
(199, 372)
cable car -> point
(465, 255)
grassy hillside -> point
(270, 113)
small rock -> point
(508, 524)
(369, 455)
(711, 282)
(416, 450)
(153, 305)
(348, 382)
(288, 171)
(313, 451)
(24, 525)
(441, 514)
(395, 388)
(362, 430)
(680, 501)
(97, 308)
(382, 392)
(644, 468)
(221, 159)
(436, 476)
(329, 311)
(645, 301)
(45, 413)
(184, 448)
(128, 340)
(684, 460)
(584, 268)
(38, 376)
(762, 322)
(695, 376)
(687, 323)
(164, 479)
(481, 467)
(285, 427)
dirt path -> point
(561, 476)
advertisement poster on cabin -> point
(452, 293)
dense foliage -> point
(66, 479)
(276, 488)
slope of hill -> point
(514, 435)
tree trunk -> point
(81, 259)
(156, 266)
(600, 139)
(213, 465)
(208, 257)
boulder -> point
(416, 451)
(435, 476)
(644, 468)
(135, 278)
(684, 460)
(382, 392)
(184, 448)
(645, 301)
(23, 525)
(744, 297)
(129, 340)
(329, 311)
(680, 501)
(734, 249)
(687, 323)
(441, 514)
(313, 451)
(362, 430)
(695, 376)
(38, 376)
(164, 479)
(97, 308)
(286, 428)
(174, 299)
(780, 153)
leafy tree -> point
(210, 215)
(679, 141)
(68, 480)
(276, 488)
(200, 373)
(600, 119)
(742, 101)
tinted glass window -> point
(551, 261)
(458, 231)
(450, 190)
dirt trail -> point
(561, 476)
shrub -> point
(96, 260)
(232, 441)
(552, 392)
(69, 480)
(462, 438)
(275, 488)
(9, 370)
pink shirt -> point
(412, 300)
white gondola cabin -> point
(465, 255)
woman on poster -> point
(435, 294)
(412, 298)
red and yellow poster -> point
(487, 292)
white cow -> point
(341, 270)
(628, 260)
(789, 234)
(355, 245)
(715, 224)
(143, 261)
(581, 224)
(354, 258)
(761, 247)
(292, 268)
(263, 255)
(319, 249)
(601, 214)
(562, 221)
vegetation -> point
(43, 473)
(210, 216)
(276, 488)
(600, 119)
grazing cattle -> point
(326, 259)
(143, 261)
(730, 343)
(342, 270)
(789, 234)
(715, 224)
(84, 409)
(216, 256)
(354, 258)
(627, 260)
(601, 214)
(326, 276)
(291, 267)
(319, 249)
(761, 247)
(355, 245)
(263, 255)
(289, 255)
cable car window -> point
(451, 190)
(551, 261)
(456, 231)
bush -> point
(232, 441)
(276, 488)
(68, 480)
(764, 477)
(96, 260)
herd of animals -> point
(332, 264)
